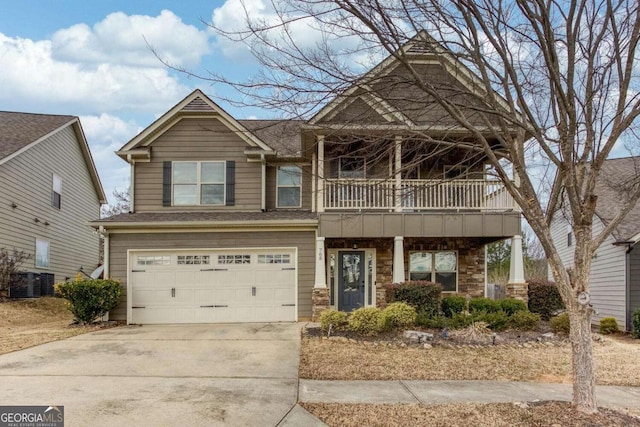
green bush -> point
(483, 304)
(609, 325)
(635, 324)
(512, 306)
(337, 320)
(544, 298)
(424, 296)
(365, 321)
(397, 315)
(496, 320)
(524, 320)
(561, 323)
(89, 298)
(453, 304)
(460, 321)
(435, 322)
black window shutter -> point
(166, 184)
(231, 183)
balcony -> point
(416, 195)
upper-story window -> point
(198, 183)
(352, 167)
(289, 187)
(56, 194)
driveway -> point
(240, 374)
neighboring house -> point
(49, 192)
(253, 220)
(615, 268)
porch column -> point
(398, 259)
(320, 173)
(517, 287)
(398, 174)
(321, 273)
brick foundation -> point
(320, 302)
(518, 291)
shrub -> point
(365, 321)
(496, 320)
(512, 306)
(561, 323)
(334, 318)
(453, 304)
(524, 320)
(460, 321)
(609, 325)
(635, 324)
(483, 304)
(90, 298)
(435, 322)
(424, 296)
(397, 315)
(544, 298)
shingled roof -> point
(203, 218)
(616, 179)
(17, 130)
(283, 136)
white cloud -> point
(123, 39)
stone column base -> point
(320, 302)
(381, 296)
(518, 291)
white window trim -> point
(48, 266)
(56, 178)
(433, 265)
(278, 186)
(199, 182)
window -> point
(42, 253)
(56, 199)
(193, 259)
(352, 167)
(154, 260)
(437, 267)
(198, 183)
(289, 187)
(274, 259)
(234, 259)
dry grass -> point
(617, 362)
(25, 323)
(466, 414)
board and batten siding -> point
(26, 181)
(303, 240)
(607, 279)
(203, 139)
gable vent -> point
(198, 104)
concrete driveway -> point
(240, 374)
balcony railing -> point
(416, 194)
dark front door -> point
(350, 280)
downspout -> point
(263, 201)
(105, 251)
(131, 184)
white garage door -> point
(217, 286)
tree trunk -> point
(584, 398)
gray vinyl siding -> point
(607, 279)
(26, 180)
(272, 183)
(304, 241)
(200, 140)
(634, 282)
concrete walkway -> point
(444, 392)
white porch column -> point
(398, 175)
(320, 165)
(321, 273)
(398, 259)
(516, 271)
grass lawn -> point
(25, 323)
(617, 362)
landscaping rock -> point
(427, 345)
(418, 336)
(548, 336)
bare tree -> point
(10, 262)
(551, 83)
(122, 203)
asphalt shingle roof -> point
(204, 217)
(284, 136)
(17, 130)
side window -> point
(289, 194)
(569, 236)
(42, 254)
(56, 196)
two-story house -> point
(248, 221)
(49, 192)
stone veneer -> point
(320, 303)
(518, 291)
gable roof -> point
(21, 131)
(284, 136)
(616, 178)
(196, 103)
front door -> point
(350, 280)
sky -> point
(92, 60)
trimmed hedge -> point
(544, 298)
(524, 320)
(561, 323)
(453, 304)
(90, 298)
(483, 304)
(366, 321)
(335, 319)
(635, 324)
(424, 296)
(511, 306)
(397, 315)
(609, 325)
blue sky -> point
(90, 59)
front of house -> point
(256, 221)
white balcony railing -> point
(416, 194)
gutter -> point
(207, 224)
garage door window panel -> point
(234, 259)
